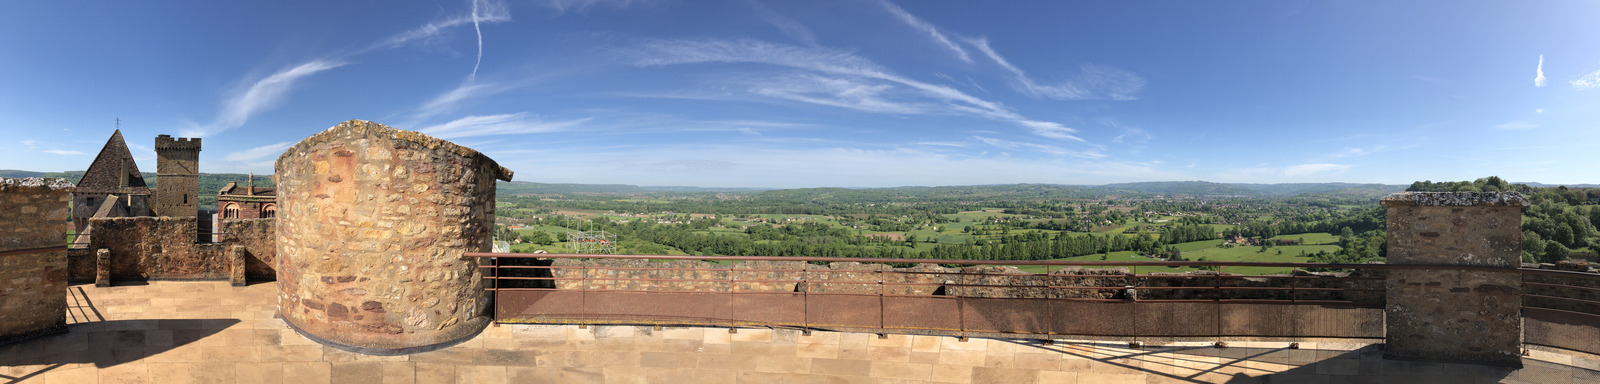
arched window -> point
(231, 212)
(269, 211)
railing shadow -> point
(104, 343)
(1236, 363)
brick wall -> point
(33, 215)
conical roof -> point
(107, 171)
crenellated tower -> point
(177, 176)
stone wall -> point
(372, 225)
(258, 236)
(164, 248)
(1455, 315)
(157, 248)
(33, 215)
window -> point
(231, 212)
(270, 211)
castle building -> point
(112, 187)
(247, 201)
(177, 177)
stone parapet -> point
(34, 224)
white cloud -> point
(923, 26)
(1517, 126)
(1538, 80)
(562, 6)
(262, 94)
(1315, 169)
(504, 124)
(838, 92)
(62, 152)
(1043, 148)
(446, 102)
(28, 143)
(788, 26)
(1092, 82)
(787, 167)
(838, 63)
(1540, 110)
(1589, 81)
(258, 152)
(486, 12)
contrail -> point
(474, 74)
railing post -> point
(1472, 316)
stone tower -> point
(372, 225)
(177, 176)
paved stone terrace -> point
(210, 332)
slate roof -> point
(103, 176)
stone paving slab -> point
(210, 332)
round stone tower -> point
(372, 224)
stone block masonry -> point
(373, 222)
(164, 248)
(33, 257)
(1455, 315)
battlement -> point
(169, 142)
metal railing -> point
(961, 297)
(926, 296)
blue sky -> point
(830, 93)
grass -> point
(1210, 251)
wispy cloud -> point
(503, 124)
(258, 152)
(28, 143)
(1517, 126)
(838, 63)
(61, 152)
(710, 164)
(1538, 79)
(788, 26)
(1092, 82)
(1264, 173)
(1315, 169)
(486, 12)
(259, 96)
(1589, 81)
(837, 92)
(562, 6)
(1042, 148)
(923, 26)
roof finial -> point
(252, 189)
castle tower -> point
(177, 176)
(112, 183)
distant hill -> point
(530, 188)
(1206, 188)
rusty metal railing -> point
(1561, 309)
(961, 297)
(957, 297)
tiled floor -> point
(209, 332)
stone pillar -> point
(102, 267)
(236, 265)
(372, 224)
(1472, 316)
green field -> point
(1210, 251)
